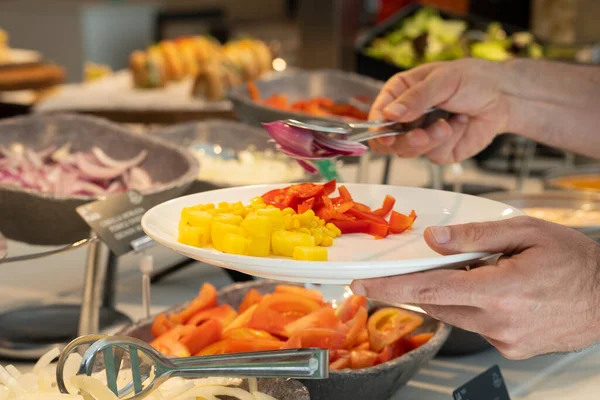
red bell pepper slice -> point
(362, 346)
(329, 187)
(328, 212)
(251, 298)
(243, 319)
(380, 231)
(306, 190)
(207, 298)
(345, 194)
(323, 318)
(320, 338)
(414, 342)
(280, 198)
(366, 216)
(387, 325)
(249, 334)
(400, 222)
(362, 207)
(340, 363)
(355, 325)
(232, 345)
(300, 291)
(277, 310)
(348, 309)
(225, 314)
(161, 325)
(204, 335)
(349, 226)
(387, 207)
(362, 359)
(306, 205)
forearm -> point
(555, 104)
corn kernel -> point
(288, 211)
(334, 228)
(305, 230)
(235, 244)
(310, 254)
(321, 222)
(327, 241)
(306, 218)
(295, 224)
(318, 238)
(223, 205)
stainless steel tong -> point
(362, 131)
(150, 369)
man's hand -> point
(543, 296)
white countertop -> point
(574, 376)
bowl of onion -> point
(380, 381)
(51, 164)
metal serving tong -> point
(363, 131)
(150, 369)
(348, 128)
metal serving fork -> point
(150, 369)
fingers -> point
(444, 152)
(507, 236)
(441, 287)
(463, 317)
(416, 142)
(437, 88)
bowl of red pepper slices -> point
(378, 382)
(343, 211)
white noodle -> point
(9, 381)
(94, 387)
(46, 360)
(13, 371)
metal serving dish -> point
(300, 84)
(231, 137)
(554, 199)
(40, 218)
(551, 179)
(379, 382)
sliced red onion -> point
(342, 147)
(308, 166)
(139, 179)
(294, 140)
(108, 161)
(93, 171)
(66, 174)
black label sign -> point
(488, 386)
(116, 220)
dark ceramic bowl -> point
(40, 218)
(232, 137)
(379, 382)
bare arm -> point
(552, 103)
(555, 104)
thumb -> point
(507, 236)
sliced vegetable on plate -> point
(298, 222)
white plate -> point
(356, 256)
